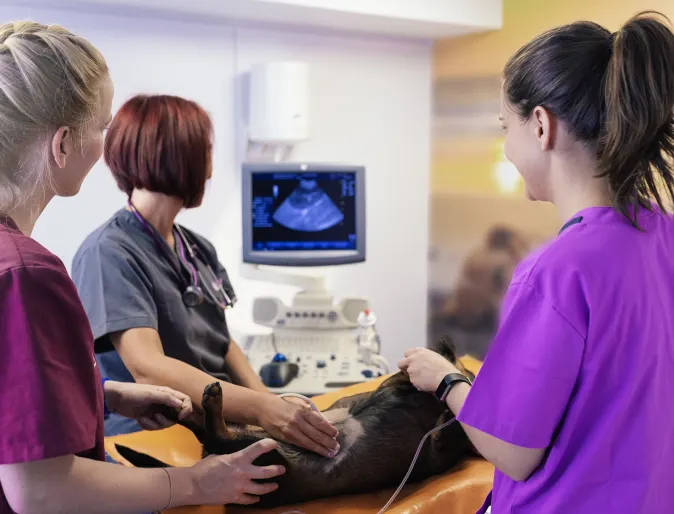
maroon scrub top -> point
(51, 398)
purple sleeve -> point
(526, 381)
(49, 386)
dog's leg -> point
(439, 437)
(214, 420)
(194, 423)
(196, 426)
(447, 446)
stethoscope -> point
(193, 295)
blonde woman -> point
(55, 105)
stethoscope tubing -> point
(188, 262)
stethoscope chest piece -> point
(193, 296)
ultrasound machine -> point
(299, 215)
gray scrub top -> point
(126, 281)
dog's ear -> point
(395, 380)
(446, 347)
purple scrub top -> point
(51, 396)
(583, 365)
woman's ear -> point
(543, 125)
(61, 146)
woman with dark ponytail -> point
(573, 404)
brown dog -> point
(379, 433)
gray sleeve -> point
(116, 293)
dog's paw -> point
(212, 398)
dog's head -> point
(397, 403)
(445, 347)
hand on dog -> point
(298, 424)
(145, 403)
(227, 479)
(426, 368)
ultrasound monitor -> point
(303, 214)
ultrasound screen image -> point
(303, 211)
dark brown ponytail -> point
(636, 149)
(615, 92)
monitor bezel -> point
(301, 258)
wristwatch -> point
(447, 383)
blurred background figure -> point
(469, 311)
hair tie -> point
(614, 36)
(611, 43)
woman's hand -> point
(426, 368)
(298, 424)
(226, 479)
(145, 403)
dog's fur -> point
(379, 433)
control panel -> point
(314, 362)
(308, 313)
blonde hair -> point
(49, 78)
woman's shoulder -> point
(542, 259)
(29, 271)
(18, 251)
(203, 244)
(565, 256)
(591, 251)
(560, 268)
(115, 235)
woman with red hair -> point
(155, 292)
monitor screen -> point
(303, 214)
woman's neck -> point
(576, 187)
(27, 213)
(158, 210)
(570, 205)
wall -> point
(486, 54)
(370, 105)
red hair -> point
(162, 144)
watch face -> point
(443, 389)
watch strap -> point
(447, 383)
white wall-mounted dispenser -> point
(279, 103)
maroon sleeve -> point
(49, 384)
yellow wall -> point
(486, 54)
(465, 160)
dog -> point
(379, 433)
